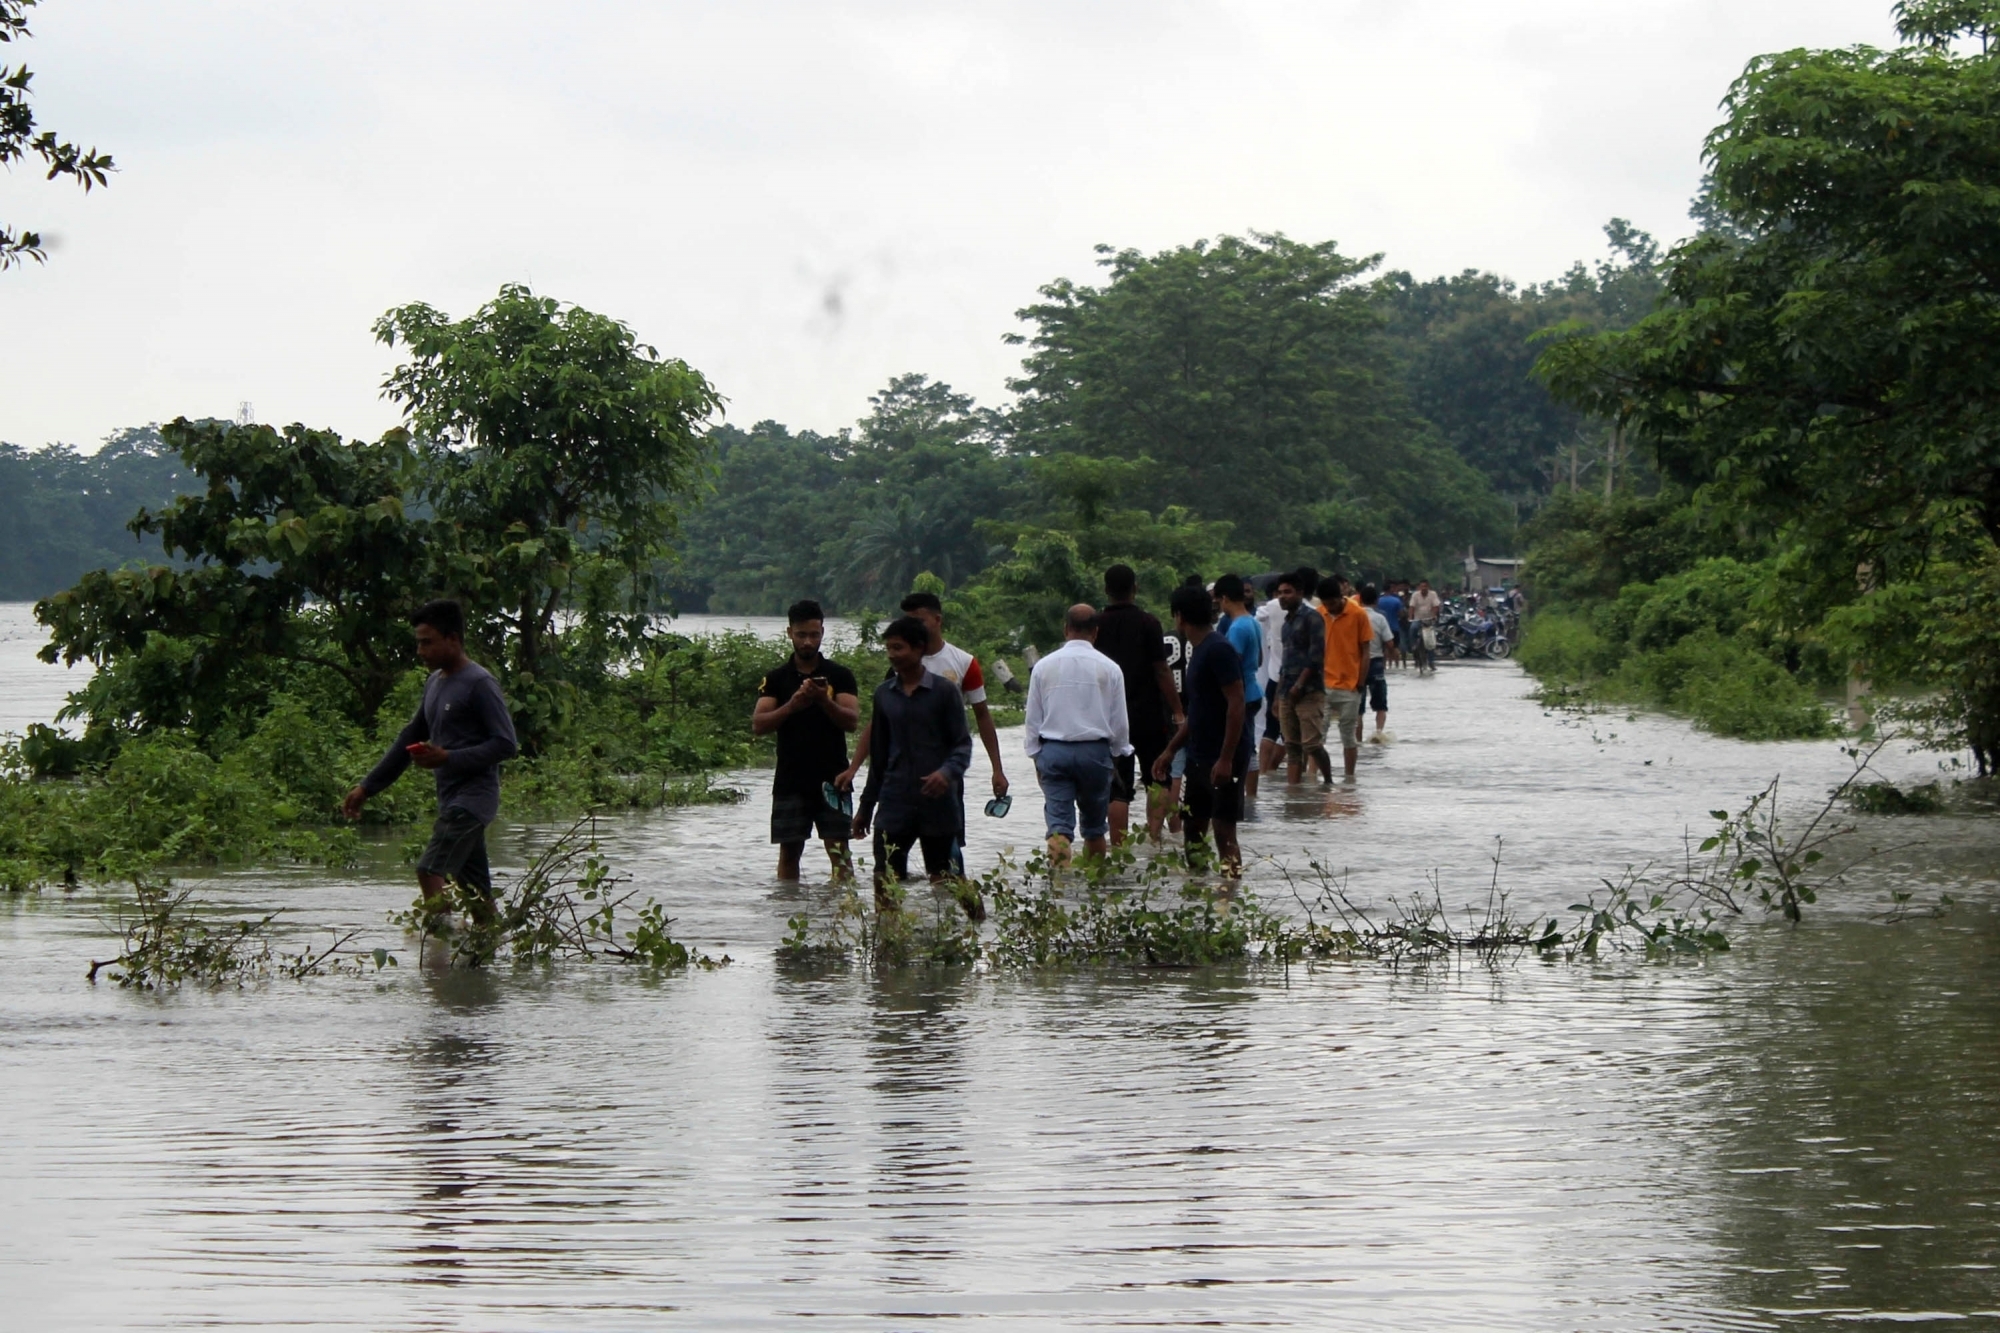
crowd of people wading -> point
(1182, 719)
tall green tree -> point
(1833, 371)
(18, 140)
(925, 469)
(560, 449)
(1253, 373)
(1468, 345)
(1826, 367)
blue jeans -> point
(1076, 775)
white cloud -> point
(802, 199)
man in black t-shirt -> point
(811, 704)
(1134, 640)
(1214, 736)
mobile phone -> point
(418, 746)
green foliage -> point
(557, 448)
(66, 513)
(1823, 368)
(1583, 548)
(267, 780)
(1886, 798)
(299, 554)
(849, 519)
(1724, 686)
(1694, 642)
(1252, 375)
(1468, 345)
(161, 801)
(86, 166)
(567, 905)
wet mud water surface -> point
(1803, 1132)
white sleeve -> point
(1112, 683)
(1033, 744)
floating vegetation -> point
(1886, 798)
(568, 904)
(169, 943)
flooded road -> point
(1802, 1133)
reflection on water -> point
(1799, 1133)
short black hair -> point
(922, 601)
(1192, 603)
(1306, 580)
(1086, 623)
(1369, 594)
(799, 612)
(910, 630)
(1120, 582)
(1230, 587)
(444, 615)
(1330, 595)
(1291, 580)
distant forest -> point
(1235, 403)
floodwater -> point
(1802, 1133)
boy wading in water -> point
(811, 704)
(461, 733)
(919, 748)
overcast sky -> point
(801, 198)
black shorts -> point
(1209, 803)
(457, 850)
(1135, 770)
(1271, 732)
(1378, 686)
(892, 850)
(795, 817)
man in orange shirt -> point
(1348, 634)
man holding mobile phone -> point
(811, 703)
(462, 733)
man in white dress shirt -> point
(1076, 726)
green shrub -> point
(1562, 648)
(1725, 686)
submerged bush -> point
(1692, 643)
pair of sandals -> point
(843, 801)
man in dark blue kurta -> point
(918, 751)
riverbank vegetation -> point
(1816, 386)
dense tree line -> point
(1259, 399)
(66, 513)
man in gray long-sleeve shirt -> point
(917, 756)
(461, 732)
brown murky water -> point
(1804, 1132)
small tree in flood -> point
(557, 447)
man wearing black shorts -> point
(918, 750)
(461, 733)
(1134, 640)
(811, 704)
(1217, 742)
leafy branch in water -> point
(167, 944)
(1416, 929)
(566, 905)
